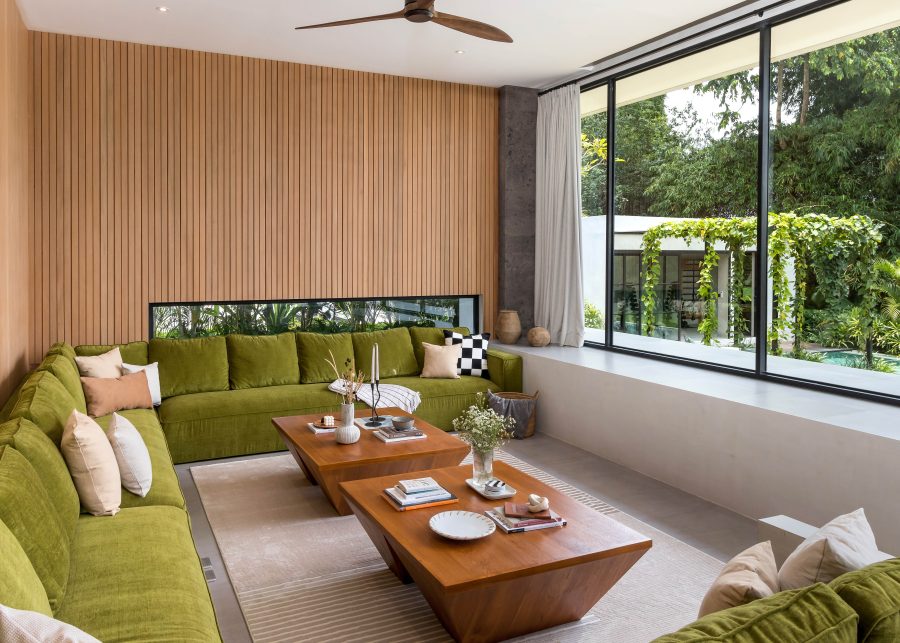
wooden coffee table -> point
(327, 463)
(504, 585)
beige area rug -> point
(301, 573)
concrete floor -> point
(708, 527)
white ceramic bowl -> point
(461, 525)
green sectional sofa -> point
(136, 576)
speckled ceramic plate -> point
(461, 525)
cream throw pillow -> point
(22, 626)
(92, 464)
(132, 456)
(441, 361)
(750, 575)
(106, 365)
(843, 545)
(152, 371)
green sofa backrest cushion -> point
(426, 335)
(50, 466)
(190, 365)
(46, 402)
(62, 348)
(20, 587)
(395, 348)
(313, 349)
(66, 371)
(27, 510)
(132, 353)
(813, 613)
(265, 360)
(874, 593)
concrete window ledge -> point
(755, 447)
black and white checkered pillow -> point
(474, 352)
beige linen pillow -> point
(441, 361)
(107, 394)
(131, 455)
(22, 626)
(750, 575)
(106, 365)
(843, 545)
(92, 465)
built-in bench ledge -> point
(861, 415)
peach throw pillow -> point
(92, 465)
(750, 575)
(105, 395)
(108, 364)
(441, 361)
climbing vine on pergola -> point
(840, 251)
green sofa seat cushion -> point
(62, 348)
(66, 371)
(136, 577)
(164, 490)
(813, 613)
(20, 587)
(132, 353)
(397, 357)
(443, 400)
(218, 424)
(46, 402)
(264, 360)
(49, 465)
(314, 355)
(874, 593)
(190, 365)
(429, 335)
(26, 509)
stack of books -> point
(514, 518)
(418, 494)
(390, 434)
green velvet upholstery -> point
(164, 490)
(505, 370)
(395, 349)
(137, 578)
(10, 402)
(50, 466)
(314, 355)
(62, 348)
(265, 360)
(46, 402)
(26, 509)
(220, 424)
(814, 613)
(429, 335)
(20, 587)
(190, 365)
(66, 371)
(874, 594)
(132, 353)
(443, 400)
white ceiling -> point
(552, 38)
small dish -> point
(404, 422)
(461, 525)
(509, 492)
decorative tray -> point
(509, 493)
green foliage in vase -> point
(482, 428)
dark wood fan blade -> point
(353, 21)
(471, 27)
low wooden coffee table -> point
(327, 463)
(504, 585)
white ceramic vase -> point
(347, 432)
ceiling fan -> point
(423, 11)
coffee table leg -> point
(384, 548)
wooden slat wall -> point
(15, 148)
(172, 175)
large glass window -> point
(685, 210)
(834, 264)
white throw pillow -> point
(152, 371)
(22, 626)
(750, 575)
(131, 455)
(843, 545)
(92, 465)
(108, 364)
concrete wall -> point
(756, 461)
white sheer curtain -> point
(558, 296)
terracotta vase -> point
(538, 336)
(509, 328)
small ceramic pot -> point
(538, 336)
(347, 432)
(509, 328)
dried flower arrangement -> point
(349, 380)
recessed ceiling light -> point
(162, 9)
(459, 51)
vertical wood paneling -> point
(171, 175)
(16, 262)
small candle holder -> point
(376, 419)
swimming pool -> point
(847, 358)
